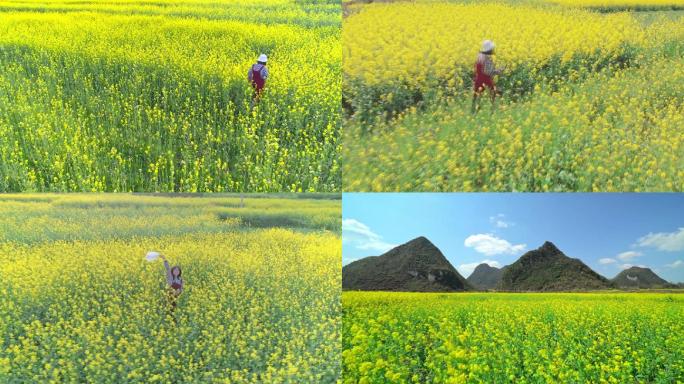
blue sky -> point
(608, 232)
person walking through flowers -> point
(174, 282)
(484, 75)
(257, 76)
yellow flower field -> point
(133, 95)
(610, 134)
(82, 305)
(512, 338)
(427, 45)
(590, 101)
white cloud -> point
(360, 236)
(629, 255)
(607, 260)
(490, 245)
(467, 269)
(676, 264)
(499, 221)
(664, 241)
(356, 227)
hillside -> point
(637, 277)
(417, 266)
(485, 277)
(548, 269)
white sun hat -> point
(487, 45)
(152, 256)
(262, 58)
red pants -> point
(483, 82)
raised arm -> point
(169, 278)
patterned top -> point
(263, 72)
(488, 68)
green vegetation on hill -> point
(485, 277)
(548, 269)
(642, 278)
(414, 266)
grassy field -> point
(512, 338)
(592, 99)
(153, 96)
(79, 303)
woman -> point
(257, 76)
(174, 282)
(484, 74)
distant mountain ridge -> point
(638, 277)
(548, 269)
(485, 277)
(417, 266)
